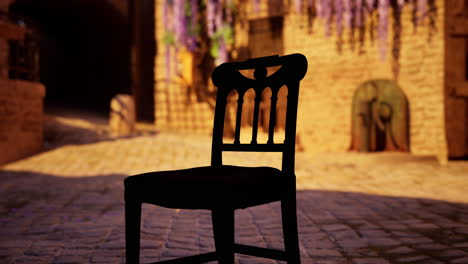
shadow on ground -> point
(50, 219)
(76, 130)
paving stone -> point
(431, 247)
(105, 259)
(68, 260)
(326, 261)
(41, 251)
(178, 253)
(370, 261)
(117, 244)
(413, 258)
(345, 235)
(383, 242)
(433, 261)
(449, 253)
(75, 252)
(321, 252)
(462, 245)
(405, 234)
(39, 230)
(462, 230)
(150, 253)
(423, 226)
(150, 244)
(352, 243)
(400, 251)
(459, 260)
(415, 240)
(335, 227)
(373, 233)
(30, 260)
(360, 252)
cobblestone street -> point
(65, 204)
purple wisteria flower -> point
(383, 27)
(358, 13)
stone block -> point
(122, 115)
(21, 119)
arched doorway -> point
(84, 50)
(380, 117)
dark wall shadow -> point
(84, 49)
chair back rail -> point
(227, 78)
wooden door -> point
(456, 79)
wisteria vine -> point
(183, 21)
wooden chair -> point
(221, 188)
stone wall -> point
(324, 120)
(21, 104)
(4, 4)
(327, 90)
(177, 107)
(21, 119)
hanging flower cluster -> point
(182, 27)
(354, 12)
(219, 20)
(182, 21)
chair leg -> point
(132, 231)
(223, 230)
(291, 239)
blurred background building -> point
(352, 94)
(406, 91)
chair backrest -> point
(228, 78)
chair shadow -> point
(49, 213)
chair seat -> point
(207, 187)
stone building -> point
(422, 82)
(413, 101)
(21, 95)
(88, 53)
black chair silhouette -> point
(221, 188)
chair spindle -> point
(272, 122)
(258, 99)
(240, 103)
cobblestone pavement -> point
(65, 205)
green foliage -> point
(231, 5)
(226, 32)
(194, 30)
(169, 38)
(187, 9)
(214, 49)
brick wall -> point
(21, 119)
(4, 4)
(176, 104)
(21, 106)
(327, 90)
(324, 120)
